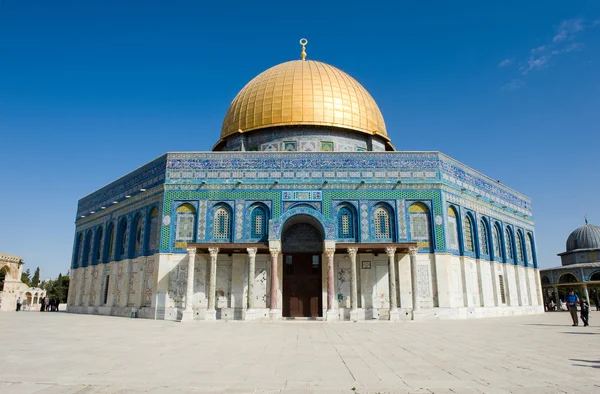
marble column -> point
(586, 293)
(556, 297)
(251, 275)
(211, 312)
(414, 280)
(393, 294)
(188, 311)
(274, 312)
(354, 314)
(249, 313)
(331, 310)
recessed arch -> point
(468, 233)
(122, 239)
(346, 221)
(452, 232)
(185, 223)
(98, 239)
(77, 253)
(152, 230)
(302, 233)
(509, 242)
(484, 238)
(568, 278)
(87, 249)
(497, 242)
(382, 223)
(419, 216)
(519, 243)
(137, 240)
(222, 222)
(595, 276)
(110, 243)
(4, 273)
(259, 219)
(545, 280)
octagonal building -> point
(304, 209)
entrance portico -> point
(303, 285)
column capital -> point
(252, 251)
(274, 252)
(330, 252)
(390, 251)
(191, 251)
(413, 251)
(213, 252)
(352, 252)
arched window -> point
(186, 218)
(258, 223)
(221, 223)
(122, 239)
(137, 234)
(77, 253)
(87, 249)
(418, 214)
(497, 243)
(153, 230)
(98, 245)
(345, 222)
(383, 228)
(519, 243)
(595, 276)
(509, 244)
(110, 237)
(545, 280)
(529, 244)
(468, 235)
(452, 229)
(483, 238)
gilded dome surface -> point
(303, 92)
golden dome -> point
(303, 92)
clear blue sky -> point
(90, 90)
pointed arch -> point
(98, 241)
(346, 222)
(452, 229)
(222, 221)
(137, 240)
(497, 241)
(152, 229)
(77, 252)
(508, 238)
(109, 242)
(259, 218)
(531, 257)
(420, 224)
(121, 239)
(468, 234)
(87, 249)
(382, 215)
(185, 222)
(484, 246)
(519, 246)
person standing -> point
(18, 304)
(585, 312)
(572, 301)
(597, 299)
(43, 305)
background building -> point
(11, 287)
(580, 268)
(304, 209)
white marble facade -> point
(447, 287)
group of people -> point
(49, 305)
(46, 304)
(572, 301)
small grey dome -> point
(585, 237)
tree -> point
(26, 277)
(58, 288)
(35, 281)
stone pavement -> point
(65, 353)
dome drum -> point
(303, 139)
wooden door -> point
(302, 285)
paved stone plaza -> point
(67, 353)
